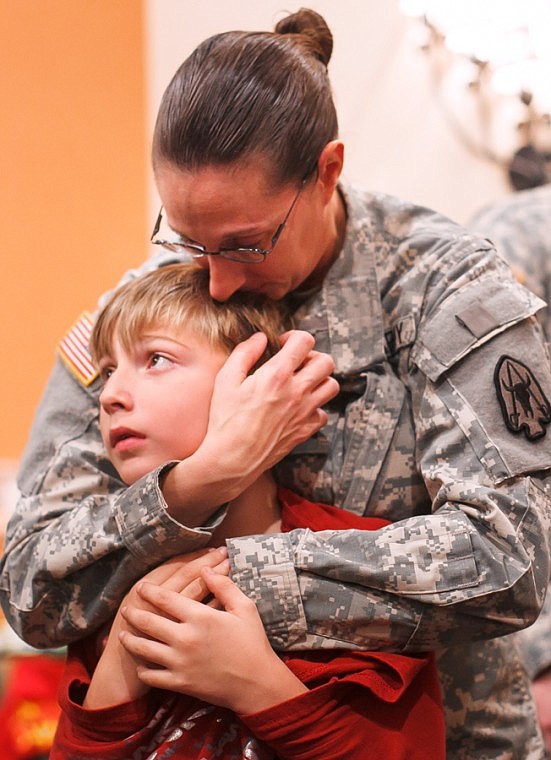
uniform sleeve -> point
(477, 565)
(78, 538)
(423, 583)
(520, 227)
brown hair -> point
(178, 295)
(251, 95)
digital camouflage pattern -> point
(417, 314)
(520, 227)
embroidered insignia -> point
(400, 335)
(523, 403)
(73, 350)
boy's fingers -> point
(225, 591)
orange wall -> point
(73, 193)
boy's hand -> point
(115, 679)
(221, 656)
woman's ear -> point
(330, 165)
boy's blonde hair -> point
(178, 295)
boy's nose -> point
(114, 396)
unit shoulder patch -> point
(73, 350)
(524, 405)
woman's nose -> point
(225, 277)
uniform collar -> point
(347, 309)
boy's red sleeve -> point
(390, 709)
(79, 728)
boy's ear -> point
(330, 165)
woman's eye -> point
(248, 244)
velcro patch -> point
(523, 403)
(478, 320)
(73, 350)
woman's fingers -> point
(289, 387)
(256, 419)
(243, 358)
(188, 581)
(296, 345)
(176, 570)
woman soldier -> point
(440, 424)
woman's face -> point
(219, 207)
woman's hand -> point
(255, 420)
(271, 411)
(220, 656)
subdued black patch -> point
(399, 335)
(351, 387)
(524, 404)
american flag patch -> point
(73, 350)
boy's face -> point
(154, 406)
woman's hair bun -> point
(315, 33)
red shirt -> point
(359, 704)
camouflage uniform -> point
(520, 227)
(422, 320)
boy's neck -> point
(256, 510)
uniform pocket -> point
(461, 350)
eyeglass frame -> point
(197, 250)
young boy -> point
(161, 686)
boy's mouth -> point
(122, 438)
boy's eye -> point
(105, 373)
(158, 360)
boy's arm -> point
(115, 679)
(303, 708)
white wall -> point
(396, 137)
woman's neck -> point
(336, 233)
(256, 510)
